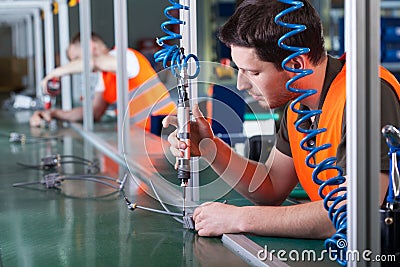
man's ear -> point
(93, 47)
(298, 62)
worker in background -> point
(147, 94)
(252, 35)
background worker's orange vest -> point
(147, 94)
(330, 119)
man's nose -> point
(243, 82)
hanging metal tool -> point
(178, 65)
(184, 128)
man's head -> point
(97, 46)
(252, 26)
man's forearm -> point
(240, 172)
(73, 115)
(72, 67)
(308, 220)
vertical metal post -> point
(48, 37)
(29, 37)
(18, 38)
(362, 25)
(39, 64)
(189, 42)
(85, 30)
(121, 41)
(63, 36)
(14, 40)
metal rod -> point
(362, 26)
(63, 25)
(29, 37)
(39, 65)
(189, 42)
(85, 29)
(49, 37)
(250, 251)
(121, 41)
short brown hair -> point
(252, 25)
(76, 39)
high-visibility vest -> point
(330, 119)
(147, 94)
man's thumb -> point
(196, 111)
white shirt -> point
(132, 68)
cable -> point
(56, 161)
(75, 157)
(162, 203)
(21, 138)
(53, 180)
(97, 177)
(133, 206)
(37, 167)
(94, 179)
(158, 211)
(337, 210)
(93, 168)
(26, 183)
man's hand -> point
(201, 135)
(214, 219)
(38, 116)
(45, 80)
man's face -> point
(261, 79)
(74, 52)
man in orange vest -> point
(252, 35)
(147, 94)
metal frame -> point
(38, 44)
(63, 36)
(34, 7)
(121, 41)
(189, 42)
(249, 251)
(48, 24)
(363, 122)
(85, 31)
(23, 49)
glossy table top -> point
(85, 223)
(88, 224)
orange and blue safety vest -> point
(147, 94)
(330, 119)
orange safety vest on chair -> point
(147, 94)
(330, 119)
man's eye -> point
(254, 73)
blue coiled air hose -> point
(173, 53)
(337, 208)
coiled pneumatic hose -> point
(336, 198)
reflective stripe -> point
(140, 91)
(149, 84)
(150, 110)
